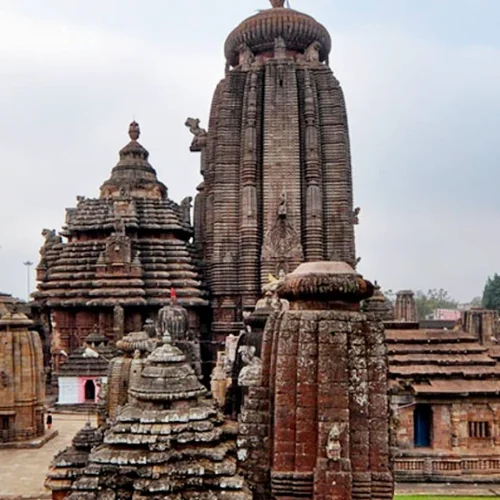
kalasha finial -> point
(278, 4)
(134, 131)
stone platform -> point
(33, 443)
(472, 490)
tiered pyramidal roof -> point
(168, 443)
(130, 246)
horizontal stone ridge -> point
(441, 362)
(151, 214)
(260, 31)
(73, 279)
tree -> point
(491, 294)
(476, 302)
(433, 299)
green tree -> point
(433, 299)
(476, 302)
(491, 293)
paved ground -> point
(478, 490)
(22, 472)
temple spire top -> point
(134, 131)
(278, 4)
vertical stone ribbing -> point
(209, 178)
(282, 247)
(225, 265)
(312, 192)
(337, 175)
(249, 209)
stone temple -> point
(310, 411)
(276, 164)
(124, 253)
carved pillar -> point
(313, 220)
(118, 322)
(249, 231)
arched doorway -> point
(422, 422)
(89, 390)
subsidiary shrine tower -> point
(125, 252)
(276, 163)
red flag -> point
(173, 295)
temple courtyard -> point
(22, 471)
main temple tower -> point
(276, 163)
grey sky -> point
(421, 79)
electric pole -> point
(28, 265)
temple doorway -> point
(422, 420)
(89, 390)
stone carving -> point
(246, 57)
(282, 207)
(173, 318)
(125, 192)
(4, 379)
(134, 131)
(251, 374)
(219, 380)
(119, 225)
(311, 54)
(355, 215)
(333, 446)
(186, 204)
(173, 323)
(200, 134)
(282, 242)
(277, 4)
(51, 238)
(279, 48)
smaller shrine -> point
(443, 386)
(69, 463)
(80, 378)
(167, 442)
(315, 416)
(22, 384)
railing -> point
(443, 466)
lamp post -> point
(28, 265)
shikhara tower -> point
(276, 162)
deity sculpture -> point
(333, 446)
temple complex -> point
(122, 255)
(445, 399)
(306, 366)
(22, 381)
(275, 160)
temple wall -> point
(464, 441)
(68, 391)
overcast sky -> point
(422, 83)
